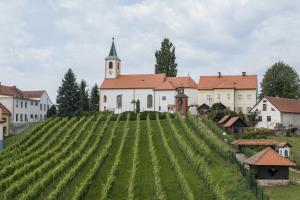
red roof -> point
(10, 91)
(33, 94)
(228, 82)
(148, 81)
(285, 105)
(256, 142)
(231, 121)
(224, 119)
(269, 157)
(4, 109)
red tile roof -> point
(33, 94)
(228, 82)
(10, 91)
(255, 142)
(269, 157)
(231, 121)
(285, 105)
(4, 109)
(224, 119)
(148, 81)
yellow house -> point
(4, 118)
(237, 92)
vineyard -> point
(105, 156)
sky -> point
(41, 39)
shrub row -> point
(36, 189)
(85, 184)
(199, 164)
(142, 115)
(171, 156)
(132, 178)
(36, 173)
(68, 177)
(112, 174)
(160, 194)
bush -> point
(257, 133)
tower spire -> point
(113, 51)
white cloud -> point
(210, 36)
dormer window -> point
(110, 65)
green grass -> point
(228, 178)
(291, 192)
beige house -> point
(4, 119)
(236, 92)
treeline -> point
(74, 98)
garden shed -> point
(235, 125)
(269, 167)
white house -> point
(156, 92)
(273, 111)
(237, 92)
(25, 106)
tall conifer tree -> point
(165, 59)
(84, 96)
(68, 95)
(94, 99)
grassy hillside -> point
(101, 157)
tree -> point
(51, 112)
(138, 106)
(94, 99)
(68, 95)
(165, 59)
(280, 80)
(253, 118)
(84, 96)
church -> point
(155, 92)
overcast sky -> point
(41, 39)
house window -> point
(21, 104)
(228, 96)
(17, 103)
(159, 108)
(35, 116)
(41, 107)
(248, 109)
(164, 98)
(110, 65)
(149, 101)
(25, 104)
(31, 103)
(249, 96)
(219, 96)
(41, 117)
(264, 107)
(269, 118)
(104, 99)
(119, 101)
(36, 103)
(17, 117)
(21, 117)
(44, 107)
(240, 97)
(273, 109)
(240, 109)
(31, 116)
(25, 115)
(259, 118)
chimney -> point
(219, 74)
(244, 73)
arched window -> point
(149, 101)
(118, 66)
(104, 98)
(110, 65)
(119, 101)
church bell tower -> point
(112, 63)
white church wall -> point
(163, 98)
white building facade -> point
(155, 92)
(238, 93)
(25, 106)
(274, 111)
